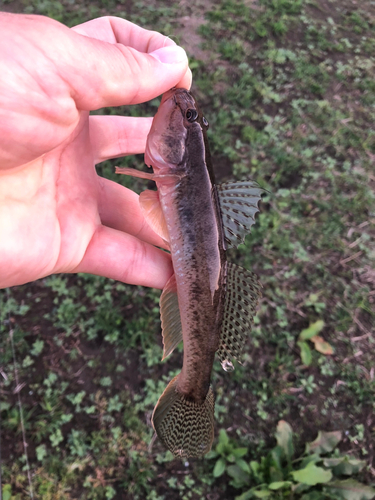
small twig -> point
(352, 257)
(362, 328)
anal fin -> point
(170, 317)
(241, 299)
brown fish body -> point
(197, 247)
(208, 303)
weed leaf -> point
(306, 356)
(239, 452)
(344, 465)
(7, 492)
(321, 345)
(312, 475)
(262, 494)
(243, 465)
(277, 485)
(284, 437)
(219, 467)
(324, 443)
(349, 489)
(312, 330)
(245, 496)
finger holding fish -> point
(115, 136)
(119, 209)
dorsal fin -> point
(170, 317)
(241, 299)
(239, 204)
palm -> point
(62, 214)
(56, 214)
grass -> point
(289, 94)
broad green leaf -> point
(349, 489)
(306, 356)
(277, 485)
(4, 406)
(277, 455)
(221, 448)
(312, 330)
(6, 491)
(322, 346)
(262, 493)
(239, 452)
(211, 454)
(332, 462)
(254, 466)
(344, 465)
(243, 465)
(246, 496)
(223, 437)
(284, 438)
(324, 443)
(309, 458)
(300, 488)
(219, 467)
(312, 475)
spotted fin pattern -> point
(238, 204)
(241, 298)
(185, 427)
(170, 317)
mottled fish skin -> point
(192, 215)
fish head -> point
(166, 142)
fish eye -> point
(205, 122)
(191, 115)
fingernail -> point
(170, 55)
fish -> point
(208, 303)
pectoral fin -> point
(135, 173)
(241, 299)
(170, 317)
(238, 204)
(164, 178)
(152, 212)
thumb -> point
(114, 75)
(121, 63)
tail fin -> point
(185, 427)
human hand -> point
(56, 214)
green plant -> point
(317, 474)
(227, 455)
